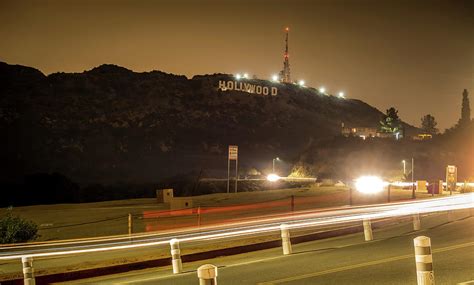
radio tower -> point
(285, 73)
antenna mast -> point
(285, 73)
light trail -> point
(300, 220)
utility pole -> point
(228, 175)
(413, 196)
(273, 164)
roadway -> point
(388, 259)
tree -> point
(465, 109)
(391, 123)
(14, 229)
(428, 124)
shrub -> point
(14, 229)
(466, 189)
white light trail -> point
(298, 220)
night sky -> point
(417, 56)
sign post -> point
(233, 155)
(451, 178)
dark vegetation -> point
(347, 158)
(14, 229)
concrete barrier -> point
(164, 195)
(181, 203)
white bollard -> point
(450, 216)
(28, 270)
(416, 222)
(285, 239)
(424, 261)
(368, 230)
(176, 256)
(207, 274)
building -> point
(362, 132)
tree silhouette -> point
(465, 109)
(428, 124)
(391, 123)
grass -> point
(67, 221)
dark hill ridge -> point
(111, 124)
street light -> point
(273, 177)
(238, 76)
(369, 184)
(413, 196)
(246, 76)
(301, 83)
(341, 95)
(273, 163)
(274, 77)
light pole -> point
(404, 167)
(273, 163)
(412, 178)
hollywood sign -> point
(247, 87)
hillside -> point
(111, 124)
(349, 158)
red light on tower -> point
(287, 29)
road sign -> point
(233, 155)
(233, 152)
(451, 178)
(451, 169)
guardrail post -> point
(207, 274)
(176, 256)
(368, 230)
(416, 222)
(28, 270)
(285, 239)
(424, 261)
(130, 225)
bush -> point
(14, 229)
(466, 189)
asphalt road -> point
(388, 259)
